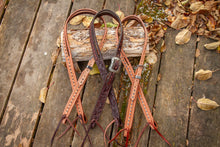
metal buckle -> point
(112, 63)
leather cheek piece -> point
(136, 91)
(108, 77)
(77, 85)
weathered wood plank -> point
(204, 125)
(57, 97)
(56, 11)
(81, 47)
(174, 91)
(14, 31)
(3, 4)
(21, 114)
(126, 6)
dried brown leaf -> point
(196, 6)
(183, 36)
(77, 20)
(212, 46)
(87, 20)
(59, 42)
(120, 14)
(152, 58)
(180, 22)
(149, 20)
(167, 2)
(159, 77)
(197, 53)
(55, 55)
(203, 74)
(211, 24)
(43, 94)
(163, 46)
(206, 104)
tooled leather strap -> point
(136, 91)
(108, 77)
(77, 85)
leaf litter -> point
(206, 104)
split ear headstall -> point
(108, 78)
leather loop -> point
(108, 77)
(136, 91)
(77, 85)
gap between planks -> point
(3, 6)
(48, 83)
(20, 60)
(190, 100)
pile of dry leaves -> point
(188, 16)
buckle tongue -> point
(113, 60)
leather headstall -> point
(107, 76)
(136, 91)
(77, 85)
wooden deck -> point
(28, 34)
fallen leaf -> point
(167, 2)
(206, 104)
(211, 24)
(87, 20)
(180, 22)
(77, 20)
(183, 36)
(107, 101)
(209, 5)
(95, 70)
(196, 6)
(43, 94)
(203, 74)
(148, 19)
(158, 77)
(197, 53)
(59, 42)
(54, 56)
(120, 14)
(152, 58)
(163, 47)
(212, 46)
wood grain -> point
(13, 38)
(23, 108)
(81, 48)
(204, 125)
(174, 91)
(57, 97)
